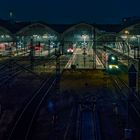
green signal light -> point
(113, 58)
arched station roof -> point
(36, 28)
(107, 37)
(17, 26)
(131, 30)
(79, 31)
(131, 34)
(4, 31)
(83, 26)
(5, 34)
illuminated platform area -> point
(17, 38)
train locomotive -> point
(112, 62)
(70, 50)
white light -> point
(51, 46)
(123, 36)
(51, 37)
(35, 35)
(2, 36)
(133, 37)
(110, 66)
(113, 58)
(45, 36)
(84, 37)
(117, 67)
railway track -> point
(6, 75)
(25, 118)
(17, 68)
(128, 95)
(2, 66)
(24, 122)
(23, 125)
(89, 126)
(84, 123)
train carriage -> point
(70, 50)
(110, 61)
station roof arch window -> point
(38, 29)
(107, 37)
(131, 34)
(83, 26)
(131, 30)
(39, 33)
(79, 31)
(5, 35)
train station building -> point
(18, 35)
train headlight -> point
(110, 66)
(117, 67)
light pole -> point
(94, 48)
(84, 37)
(84, 49)
(125, 42)
(32, 53)
(58, 70)
(138, 37)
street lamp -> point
(84, 48)
(50, 38)
(126, 32)
(94, 48)
(128, 130)
(84, 37)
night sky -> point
(70, 11)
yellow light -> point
(110, 66)
(126, 32)
(45, 36)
